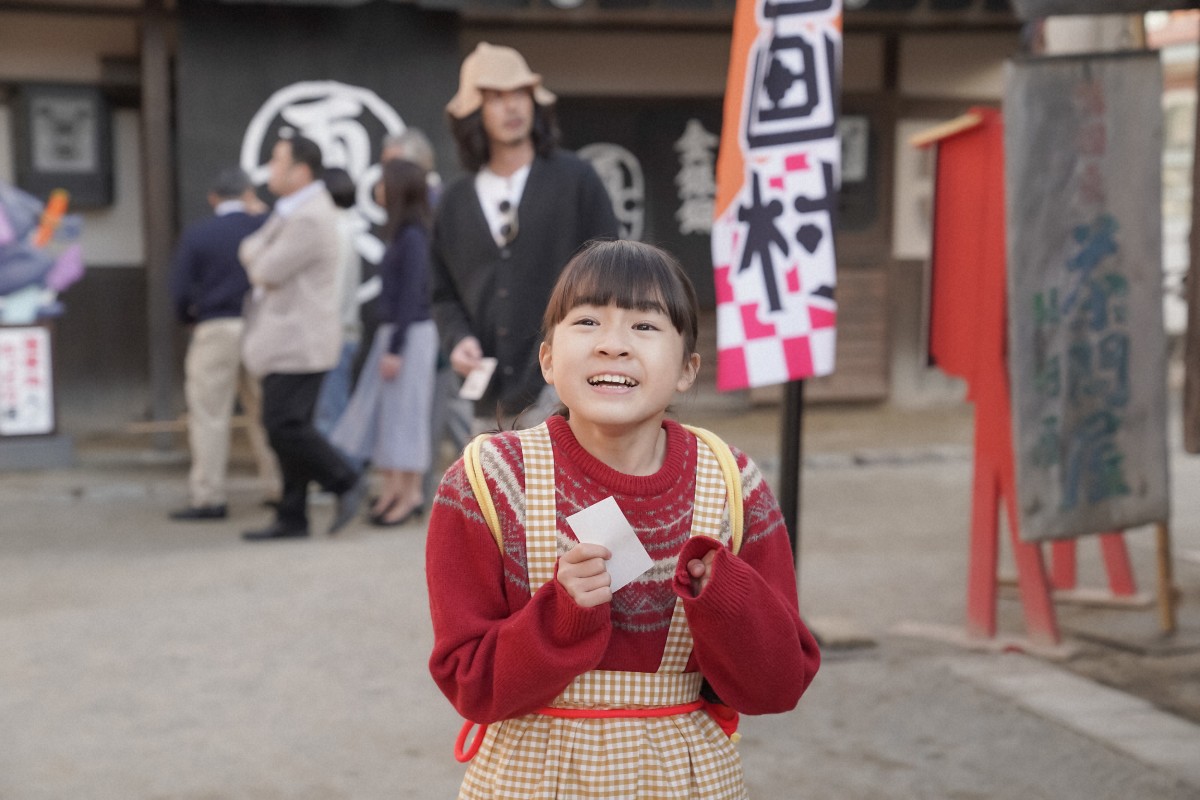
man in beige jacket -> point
(293, 335)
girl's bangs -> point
(627, 275)
(619, 284)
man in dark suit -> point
(492, 272)
(208, 286)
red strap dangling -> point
(725, 717)
(463, 757)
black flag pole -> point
(790, 455)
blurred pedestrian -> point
(451, 420)
(413, 145)
(208, 287)
(493, 272)
(335, 388)
(387, 420)
(293, 335)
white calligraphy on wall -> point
(621, 173)
(696, 178)
(335, 116)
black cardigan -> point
(499, 294)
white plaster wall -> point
(604, 63)
(969, 66)
(648, 64)
(1098, 32)
(863, 63)
(113, 236)
(59, 47)
(6, 154)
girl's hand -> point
(389, 366)
(701, 570)
(584, 575)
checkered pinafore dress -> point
(540, 757)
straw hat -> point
(492, 66)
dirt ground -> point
(1162, 670)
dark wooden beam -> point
(131, 10)
(158, 206)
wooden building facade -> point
(187, 83)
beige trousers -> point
(212, 374)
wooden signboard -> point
(1087, 351)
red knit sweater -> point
(498, 653)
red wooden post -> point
(1116, 561)
(1041, 623)
(1062, 564)
(984, 553)
(968, 332)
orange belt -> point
(724, 716)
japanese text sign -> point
(777, 178)
(26, 395)
(1087, 350)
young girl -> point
(589, 693)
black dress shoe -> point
(193, 513)
(276, 530)
(348, 503)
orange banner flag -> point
(777, 176)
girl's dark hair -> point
(405, 196)
(626, 274)
(472, 140)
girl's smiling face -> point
(617, 368)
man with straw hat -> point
(493, 271)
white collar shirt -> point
(289, 203)
(493, 190)
(229, 207)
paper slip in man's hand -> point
(605, 525)
(477, 380)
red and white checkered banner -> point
(777, 176)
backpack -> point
(724, 456)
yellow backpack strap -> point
(733, 481)
(479, 486)
(724, 456)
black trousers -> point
(304, 454)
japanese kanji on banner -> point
(26, 397)
(777, 177)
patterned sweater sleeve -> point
(498, 653)
(749, 640)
